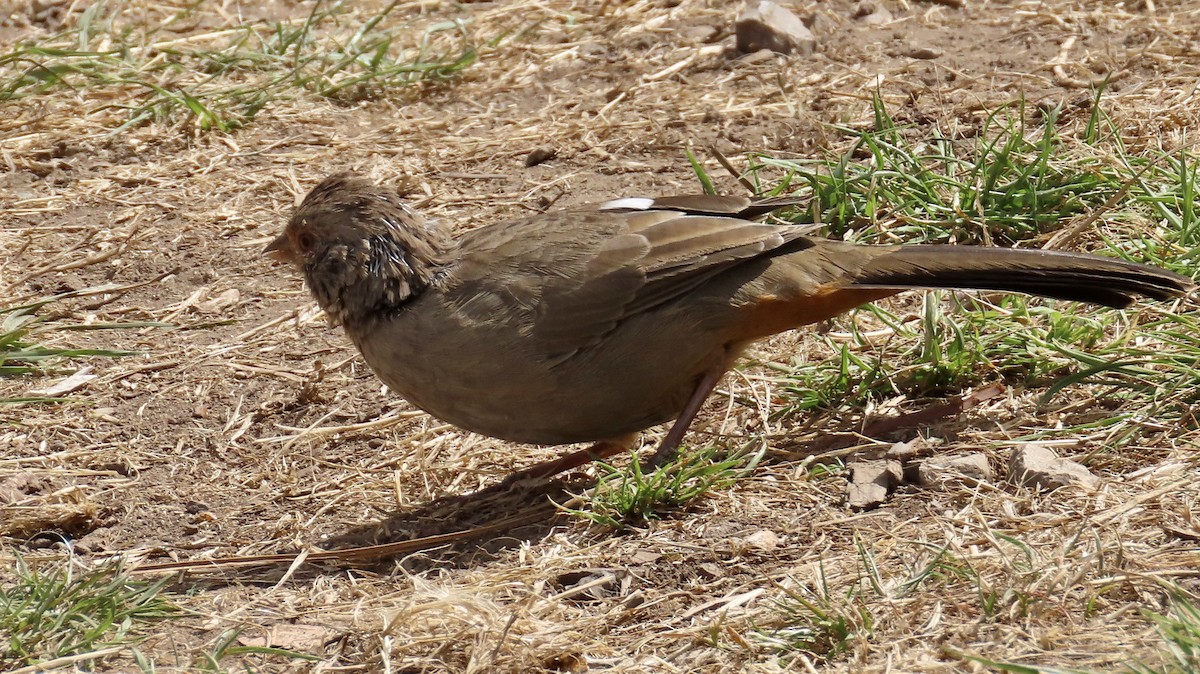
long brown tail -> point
(1065, 276)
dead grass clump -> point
(478, 629)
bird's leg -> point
(598, 451)
(666, 449)
(670, 444)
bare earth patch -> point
(244, 425)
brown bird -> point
(595, 323)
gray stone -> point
(767, 25)
(964, 468)
(1037, 466)
(912, 449)
(871, 482)
(763, 540)
(872, 14)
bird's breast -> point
(489, 376)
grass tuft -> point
(62, 612)
(1008, 184)
(623, 498)
(1180, 631)
(22, 355)
(817, 623)
(223, 79)
(1015, 181)
(1180, 654)
(226, 646)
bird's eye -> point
(305, 242)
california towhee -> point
(597, 322)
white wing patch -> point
(628, 203)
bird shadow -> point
(510, 513)
(468, 530)
(534, 508)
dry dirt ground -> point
(251, 427)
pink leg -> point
(665, 452)
(670, 444)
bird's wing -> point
(570, 277)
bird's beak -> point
(281, 249)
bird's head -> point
(363, 252)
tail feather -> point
(1065, 276)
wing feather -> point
(578, 274)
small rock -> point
(872, 14)
(1038, 466)
(912, 449)
(221, 302)
(967, 468)
(762, 541)
(701, 34)
(871, 482)
(95, 541)
(770, 26)
(923, 53)
(540, 155)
